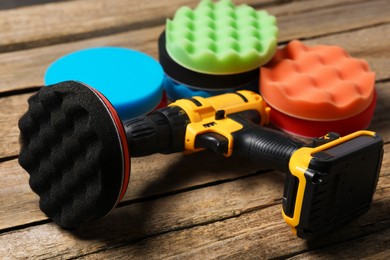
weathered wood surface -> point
(27, 27)
(194, 206)
(229, 219)
(158, 175)
(23, 69)
(85, 19)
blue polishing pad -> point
(177, 90)
(130, 80)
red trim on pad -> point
(307, 128)
(122, 135)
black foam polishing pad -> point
(74, 148)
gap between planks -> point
(26, 68)
(153, 177)
(132, 232)
(86, 20)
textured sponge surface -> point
(221, 38)
(131, 80)
(317, 83)
(71, 149)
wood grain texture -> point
(10, 4)
(21, 69)
(151, 177)
(17, 200)
(85, 20)
(12, 108)
(377, 246)
(322, 21)
(232, 219)
(43, 24)
(198, 206)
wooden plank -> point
(12, 108)
(259, 234)
(304, 6)
(381, 119)
(22, 69)
(17, 200)
(26, 68)
(102, 17)
(232, 219)
(10, 4)
(151, 176)
(323, 21)
(142, 218)
(85, 19)
(376, 246)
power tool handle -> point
(271, 148)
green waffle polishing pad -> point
(221, 38)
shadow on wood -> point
(133, 220)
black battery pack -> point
(337, 185)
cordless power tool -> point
(77, 152)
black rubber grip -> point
(270, 148)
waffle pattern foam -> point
(64, 151)
(221, 38)
(320, 83)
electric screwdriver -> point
(77, 152)
(329, 181)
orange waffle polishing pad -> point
(318, 83)
(314, 90)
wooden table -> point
(180, 206)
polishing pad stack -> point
(315, 90)
(74, 147)
(217, 46)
